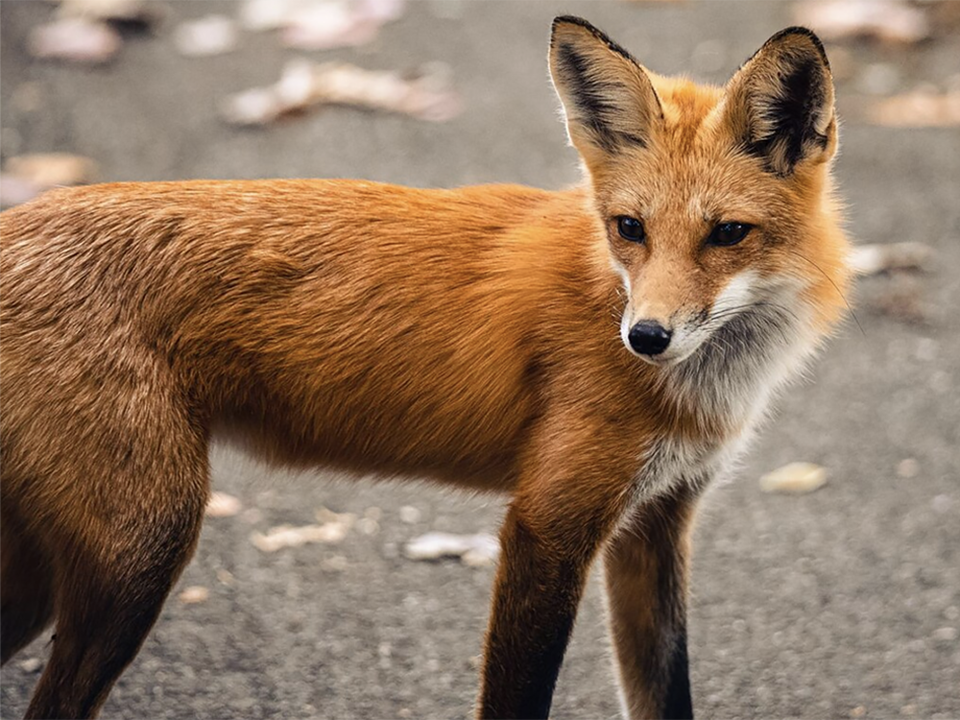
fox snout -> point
(648, 337)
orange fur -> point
(470, 336)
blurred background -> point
(840, 602)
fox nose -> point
(649, 337)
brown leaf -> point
(210, 35)
(47, 170)
(887, 20)
(74, 39)
(305, 84)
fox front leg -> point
(646, 580)
(551, 534)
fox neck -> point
(729, 381)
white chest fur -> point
(728, 383)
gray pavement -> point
(833, 604)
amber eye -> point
(728, 233)
(630, 229)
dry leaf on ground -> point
(889, 20)
(50, 169)
(194, 594)
(321, 24)
(284, 536)
(796, 478)
(222, 505)
(74, 39)
(877, 258)
(210, 35)
(474, 550)
(923, 107)
(304, 84)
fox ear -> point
(608, 99)
(780, 102)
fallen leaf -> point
(877, 258)
(51, 169)
(74, 39)
(210, 35)
(258, 15)
(326, 515)
(304, 84)
(284, 536)
(887, 20)
(223, 505)
(922, 107)
(474, 550)
(795, 478)
(323, 26)
(194, 594)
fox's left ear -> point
(780, 103)
(607, 97)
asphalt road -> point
(834, 604)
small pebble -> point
(222, 505)
(796, 478)
(908, 468)
(31, 665)
(945, 634)
(409, 515)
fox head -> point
(716, 202)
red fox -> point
(600, 353)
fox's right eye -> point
(630, 229)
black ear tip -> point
(571, 20)
(562, 20)
(797, 31)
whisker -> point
(830, 280)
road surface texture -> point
(844, 602)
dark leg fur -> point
(646, 569)
(106, 612)
(26, 592)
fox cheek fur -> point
(139, 319)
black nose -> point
(649, 338)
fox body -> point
(601, 353)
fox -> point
(600, 353)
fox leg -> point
(646, 579)
(122, 513)
(551, 534)
(26, 590)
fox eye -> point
(728, 233)
(630, 229)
